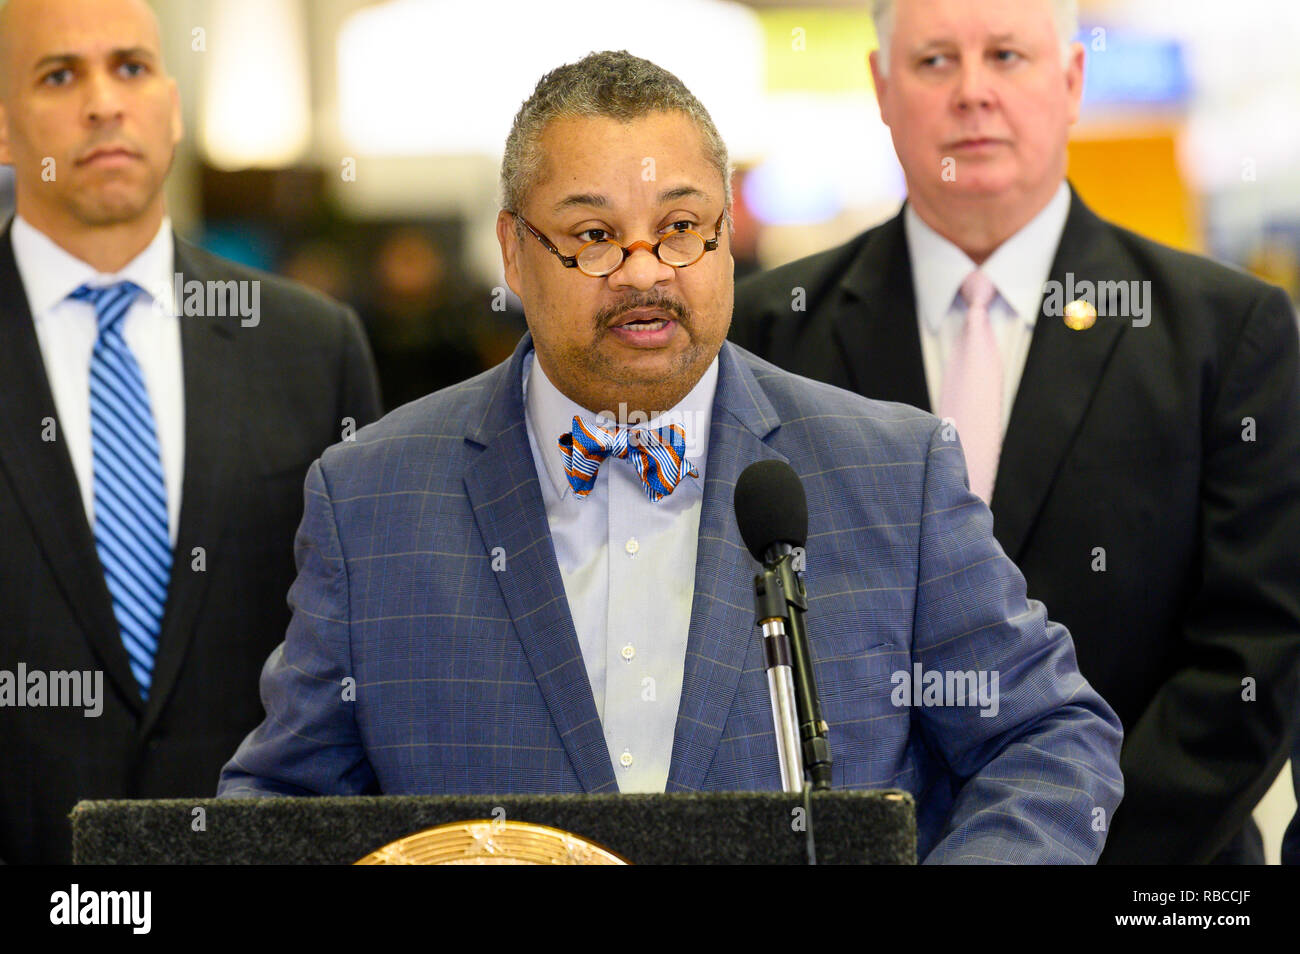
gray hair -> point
(1064, 12)
(613, 85)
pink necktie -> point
(972, 387)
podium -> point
(874, 827)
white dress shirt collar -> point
(550, 414)
(50, 273)
(1018, 268)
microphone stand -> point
(781, 602)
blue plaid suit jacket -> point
(432, 650)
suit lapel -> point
(46, 484)
(876, 329)
(507, 502)
(1061, 376)
(875, 323)
(722, 610)
(212, 441)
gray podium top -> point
(876, 827)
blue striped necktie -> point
(131, 532)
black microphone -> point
(771, 508)
(772, 513)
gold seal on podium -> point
(492, 842)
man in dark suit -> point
(1144, 469)
(152, 447)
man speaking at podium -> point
(502, 588)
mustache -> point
(656, 299)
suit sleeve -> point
(1035, 769)
(359, 396)
(308, 743)
(1214, 736)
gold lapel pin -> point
(1080, 315)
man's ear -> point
(6, 154)
(178, 121)
(881, 83)
(1074, 68)
(510, 250)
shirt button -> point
(632, 546)
(628, 652)
(625, 759)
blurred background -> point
(354, 144)
(374, 116)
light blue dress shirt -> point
(628, 567)
(67, 331)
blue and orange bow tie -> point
(659, 456)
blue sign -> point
(1130, 69)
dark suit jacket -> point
(261, 403)
(1130, 439)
